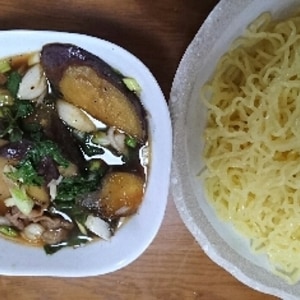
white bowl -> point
(131, 240)
(219, 241)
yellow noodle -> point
(252, 140)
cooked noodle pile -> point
(252, 140)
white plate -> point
(220, 242)
(135, 236)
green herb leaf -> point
(26, 170)
(13, 83)
(70, 188)
(91, 150)
(10, 115)
(76, 240)
(25, 173)
(23, 108)
(46, 148)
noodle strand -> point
(252, 149)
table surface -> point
(158, 32)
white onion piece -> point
(145, 156)
(74, 116)
(117, 140)
(98, 226)
(52, 185)
(33, 83)
(33, 231)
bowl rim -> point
(219, 19)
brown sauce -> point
(79, 149)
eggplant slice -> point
(88, 82)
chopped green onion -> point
(95, 165)
(6, 99)
(130, 142)
(20, 199)
(132, 84)
(81, 227)
(4, 66)
(100, 138)
(8, 231)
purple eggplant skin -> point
(16, 150)
(57, 57)
(48, 169)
